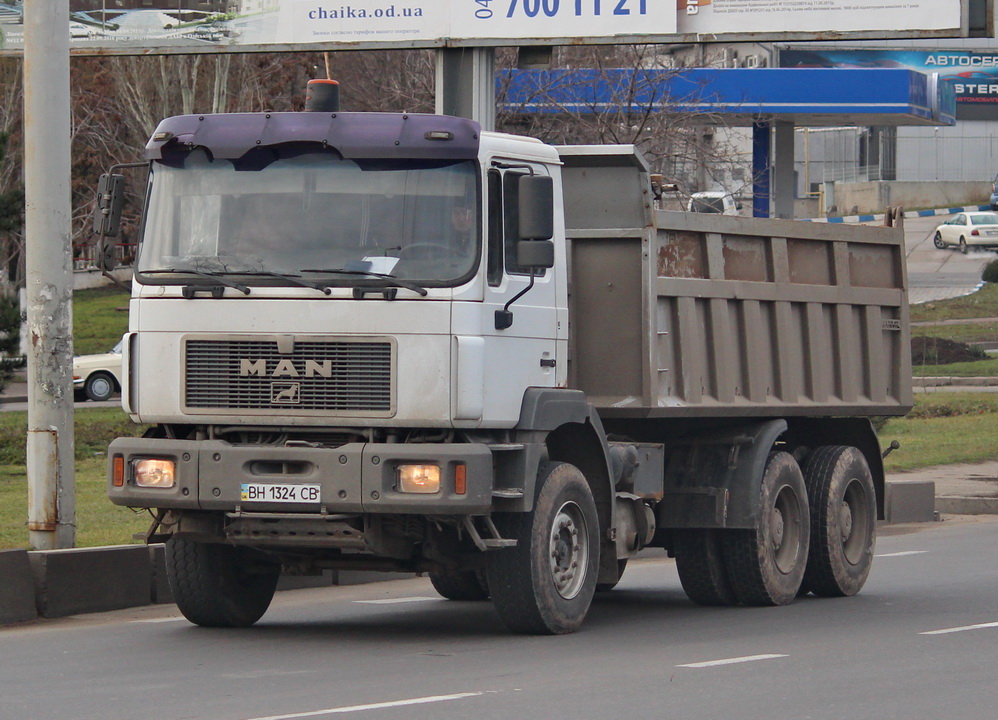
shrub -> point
(990, 273)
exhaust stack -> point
(322, 96)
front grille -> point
(339, 376)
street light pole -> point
(48, 260)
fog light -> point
(419, 478)
(155, 473)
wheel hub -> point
(777, 529)
(569, 551)
(845, 521)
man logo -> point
(286, 369)
(285, 393)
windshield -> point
(707, 205)
(307, 214)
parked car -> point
(968, 229)
(713, 202)
(97, 377)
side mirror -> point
(110, 200)
(537, 254)
(536, 208)
(105, 255)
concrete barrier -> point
(17, 588)
(910, 501)
(84, 580)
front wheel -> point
(937, 240)
(461, 584)
(219, 585)
(545, 584)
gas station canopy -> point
(773, 101)
(810, 97)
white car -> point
(720, 203)
(97, 377)
(968, 229)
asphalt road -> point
(918, 643)
(935, 274)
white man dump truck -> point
(395, 342)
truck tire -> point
(843, 521)
(700, 562)
(545, 584)
(461, 584)
(766, 565)
(219, 585)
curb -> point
(953, 505)
(955, 381)
(57, 583)
(907, 214)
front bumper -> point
(353, 478)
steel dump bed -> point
(690, 315)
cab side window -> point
(504, 221)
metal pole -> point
(760, 169)
(48, 258)
(465, 84)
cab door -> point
(525, 354)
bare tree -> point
(633, 94)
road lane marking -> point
(393, 601)
(902, 554)
(372, 706)
(159, 620)
(731, 661)
(947, 631)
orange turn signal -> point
(461, 479)
(118, 471)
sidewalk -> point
(961, 489)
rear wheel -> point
(545, 584)
(219, 585)
(700, 563)
(843, 521)
(963, 245)
(766, 565)
(937, 240)
(99, 386)
(461, 584)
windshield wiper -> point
(293, 279)
(389, 279)
(212, 275)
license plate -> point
(279, 493)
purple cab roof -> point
(354, 135)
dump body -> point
(686, 314)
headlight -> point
(419, 478)
(155, 473)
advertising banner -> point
(152, 26)
(972, 75)
(816, 16)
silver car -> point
(968, 229)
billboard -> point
(150, 26)
(973, 76)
